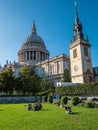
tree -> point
(25, 71)
(34, 85)
(44, 85)
(66, 76)
(64, 99)
(30, 82)
(51, 87)
(47, 86)
(7, 81)
(19, 85)
(75, 100)
(50, 99)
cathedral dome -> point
(34, 38)
(33, 49)
(33, 41)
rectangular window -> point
(85, 51)
(74, 53)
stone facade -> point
(34, 54)
(53, 68)
(50, 69)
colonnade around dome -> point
(32, 55)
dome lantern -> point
(33, 28)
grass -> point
(51, 117)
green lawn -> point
(51, 117)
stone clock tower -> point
(80, 55)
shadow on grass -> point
(75, 113)
(45, 109)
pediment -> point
(88, 72)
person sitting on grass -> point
(37, 106)
(68, 110)
(29, 107)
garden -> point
(14, 115)
(51, 117)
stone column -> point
(36, 55)
(39, 55)
(32, 55)
(42, 56)
(22, 56)
(29, 56)
(26, 55)
(18, 58)
(55, 68)
(48, 68)
(62, 66)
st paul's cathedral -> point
(34, 54)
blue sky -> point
(54, 21)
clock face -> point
(76, 67)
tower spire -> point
(33, 28)
(78, 26)
(76, 18)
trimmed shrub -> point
(89, 105)
(75, 100)
(64, 100)
(50, 99)
(96, 105)
(44, 98)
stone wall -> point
(19, 99)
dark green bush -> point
(75, 100)
(64, 100)
(44, 98)
(89, 105)
(96, 105)
(50, 99)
